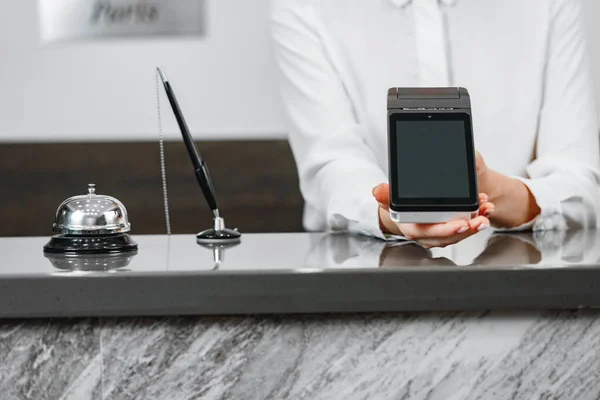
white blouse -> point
(524, 63)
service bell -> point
(91, 224)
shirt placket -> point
(431, 40)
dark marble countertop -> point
(526, 354)
(303, 273)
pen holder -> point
(218, 234)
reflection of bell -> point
(91, 224)
(91, 262)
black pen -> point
(200, 167)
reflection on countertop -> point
(302, 252)
(549, 249)
(114, 262)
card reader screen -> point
(432, 161)
(433, 158)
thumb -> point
(381, 193)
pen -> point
(200, 167)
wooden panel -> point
(256, 184)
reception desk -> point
(319, 316)
(302, 273)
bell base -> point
(217, 237)
(79, 244)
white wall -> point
(105, 90)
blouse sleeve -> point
(337, 169)
(564, 177)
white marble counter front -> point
(516, 355)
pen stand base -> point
(218, 234)
(222, 236)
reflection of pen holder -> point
(219, 239)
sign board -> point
(64, 20)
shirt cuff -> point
(368, 224)
(550, 216)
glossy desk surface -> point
(314, 253)
(303, 273)
(528, 354)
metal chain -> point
(163, 169)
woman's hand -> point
(515, 205)
(433, 235)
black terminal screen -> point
(432, 160)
